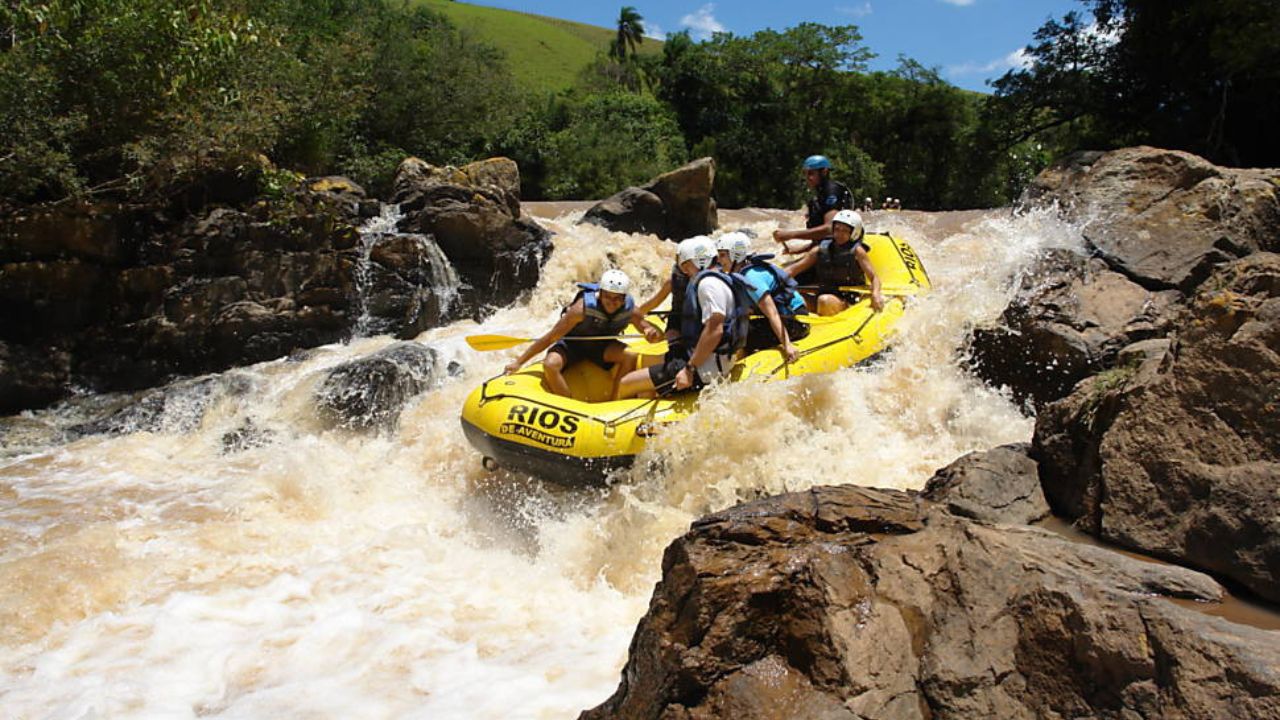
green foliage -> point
(611, 141)
(1199, 75)
(142, 97)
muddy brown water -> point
(327, 573)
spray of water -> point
(167, 569)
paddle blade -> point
(489, 343)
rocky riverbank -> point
(105, 297)
(1154, 361)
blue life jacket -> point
(595, 320)
(736, 324)
(783, 287)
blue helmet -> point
(817, 162)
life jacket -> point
(837, 265)
(595, 320)
(783, 287)
(828, 196)
(736, 323)
(679, 285)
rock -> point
(477, 225)
(410, 286)
(854, 603)
(633, 210)
(370, 392)
(32, 376)
(1178, 456)
(1068, 320)
(176, 408)
(1164, 218)
(1001, 485)
(674, 205)
(342, 192)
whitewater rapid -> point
(332, 574)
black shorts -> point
(663, 375)
(761, 336)
(593, 350)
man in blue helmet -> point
(829, 197)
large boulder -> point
(1069, 319)
(1164, 218)
(848, 603)
(1177, 453)
(1156, 223)
(674, 205)
(473, 214)
(370, 392)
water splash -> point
(159, 572)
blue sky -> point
(971, 41)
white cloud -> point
(702, 22)
(1017, 59)
(651, 30)
(857, 11)
(960, 3)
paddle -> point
(487, 343)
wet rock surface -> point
(1156, 224)
(1178, 453)
(473, 213)
(845, 602)
(370, 392)
(1000, 485)
(109, 298)
(674, 205)
(1164, 218)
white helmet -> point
(737, 244)
(615, 281)
(850, 218)
(699, 249)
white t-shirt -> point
(715, 297)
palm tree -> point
(630, 33)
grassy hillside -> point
(546, 54)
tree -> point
(1198, 75)
(630, 34)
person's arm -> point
(770, 312)
(864, 261)
(651, 333)
(708, 341)
(813, 233)
(568, 321)
(804, 263)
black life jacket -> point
(679, 285)
(736, 323)
(837, 265)
(595, 320)
(828, 196)
(783, 290)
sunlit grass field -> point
(545, 54)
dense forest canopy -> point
(136, 99)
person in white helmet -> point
(602, 308)
(841, 261)
(673, 286)
(773, 293)
(713, 327)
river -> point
(322, 573)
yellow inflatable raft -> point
(517, 424)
